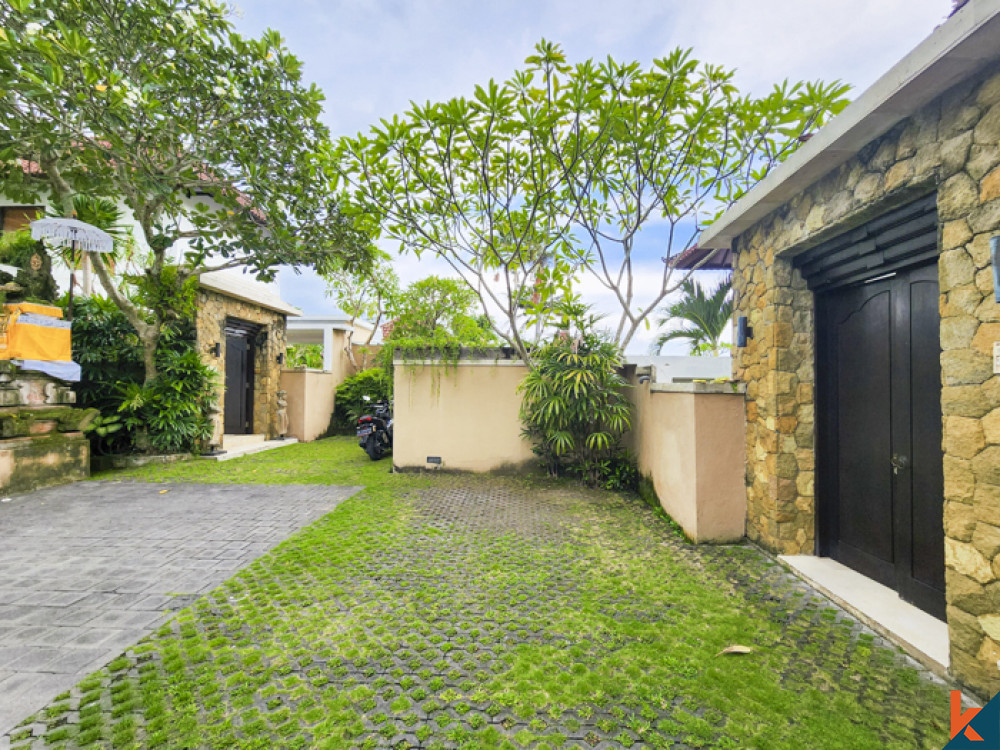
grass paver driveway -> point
(450, 611)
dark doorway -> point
(881, 474)
(880, 478)
(238, 415)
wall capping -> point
(459, 363)
(731, 388)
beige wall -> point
(310, 395)
(466, 413)
(688, 441)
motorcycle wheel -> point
(373, 447)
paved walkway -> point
(472, 613)
(88, 569)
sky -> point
(373, 57)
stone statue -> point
(282, 414)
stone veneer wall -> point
(213, 309)
(953, 145)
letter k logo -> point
(960, 721)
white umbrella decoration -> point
(78, 235)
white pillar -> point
(328, 348)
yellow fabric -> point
(24, 341)
(33, 307)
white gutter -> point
(956, 50)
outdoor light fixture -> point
(215, 349)
(744, 332)
(281, 358)
(995, 257)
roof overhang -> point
(231, 285)
(955, 51)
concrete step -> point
(249, 447)
(235, 442)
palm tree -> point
(708, 314)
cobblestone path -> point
(89, 569)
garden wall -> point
(310, 395)
(687, 437)
(465, 414)
(688, 442)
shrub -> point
(619, 474)
(37, 284)
(350, 403)
(573, 408)
(168, 415)
(305, 355)
(173, 408)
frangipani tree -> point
(553, 175)
(365, 292)
(209, 139)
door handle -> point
(898, 462)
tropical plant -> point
(433, 305)
(552, 175)
(574, 409)
(209, 139)
(103, 426)
(434, 317)
(707, 313)
(305, 355)
(350, 403)
(18, 249)
(172, 411)
(169, 414)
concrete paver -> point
(488, 613)
(88, 569)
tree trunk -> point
(149, 333)
(149, 341)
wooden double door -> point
(880, 476)
(240, 354)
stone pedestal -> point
(41, 434)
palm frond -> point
(708, 314)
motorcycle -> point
(375, 430)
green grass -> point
(549, 617)
(333, 461)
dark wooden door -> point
(880, 488)
(238, 416)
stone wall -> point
(777, 366)
(953, 145)
(41, 433)
(213, 310)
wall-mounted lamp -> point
(215, 349)
(995, 257)
(744, 331)
(281, 358)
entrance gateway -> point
(880, 478)
(240, 346)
